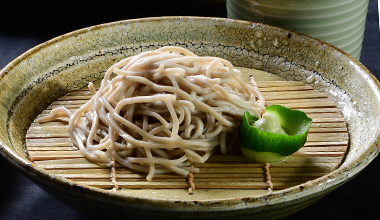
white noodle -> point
(163, 111)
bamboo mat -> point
(49, 146)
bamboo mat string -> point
(113, 174)
(191, 182)
(268, 177)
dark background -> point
(25, 24)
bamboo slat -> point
(49, 146)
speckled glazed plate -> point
(48, 71)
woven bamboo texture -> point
(49, 146)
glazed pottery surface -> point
(50, 70)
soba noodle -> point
(162, 111)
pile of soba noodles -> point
(161, 111)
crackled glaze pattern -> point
(44, 73)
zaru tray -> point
(49, 146)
